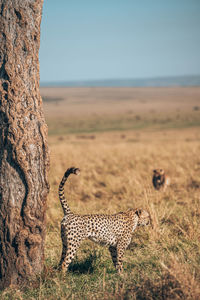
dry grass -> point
(91, 110)
(162, 262)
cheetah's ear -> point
(138, 212)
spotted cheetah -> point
(160, 179)
(114, 230)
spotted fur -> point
(115, 230)
(160, 179)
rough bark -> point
(24, 156)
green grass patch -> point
(120, 123)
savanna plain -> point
(117, 136)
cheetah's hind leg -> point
(72, 247)
(64, 246)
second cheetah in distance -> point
(160, 179)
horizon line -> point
(132, 82)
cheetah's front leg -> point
(117, 253)
(120, 254)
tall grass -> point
(162, 262)
(116, 159)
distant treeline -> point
(192, 80)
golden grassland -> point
(116, 158)
(91, 110)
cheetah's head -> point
(158, 174)
(144, 217)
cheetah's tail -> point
(62, 198)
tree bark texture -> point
(24, 155)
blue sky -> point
(108, 39)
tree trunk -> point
(24, 156)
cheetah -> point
(114, 231)
(160, 179)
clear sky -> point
(108, 39)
